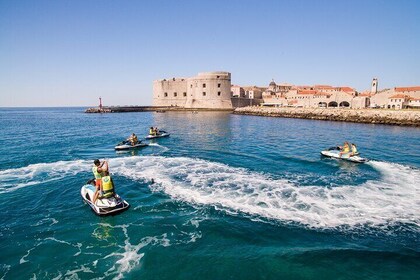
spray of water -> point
(391, 199)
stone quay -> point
(372, 116)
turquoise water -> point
(224, 197)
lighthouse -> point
(100, 103)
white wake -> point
(390, 200)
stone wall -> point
(244, 102)
(402, 117)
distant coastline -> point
(372, 116)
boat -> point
(159, 135)
(126, 145)
(334, 152)
(103, 206)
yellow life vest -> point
(107, 186)
(354, 149)
(151, 131)
(96, 173)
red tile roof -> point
(401, 89)
(346, 89)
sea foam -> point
(394, 198)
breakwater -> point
(374, 116)
(160, 109)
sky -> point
(68, 53)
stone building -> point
(396, 98)
(398, 101)
(210, 90)
(253, 92)
(237, 91)
(317, 96)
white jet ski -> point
(103, 206)
(126, 145)
(334, 152)
(160, 135)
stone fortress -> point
(213, 90)
(209, 90)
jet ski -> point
(159, 135)
(126, 145)
(334, 152)
(103, 206)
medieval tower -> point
(374, 88)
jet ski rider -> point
(154, 131)
(107, 185)
(98, 170)
(133, 139)
(345, 149)
(353, 150)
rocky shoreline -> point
(373, 116)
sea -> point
(224, 197)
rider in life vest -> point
(98, 170)
(353, 150)
(345, 149)
(133, 139)
(107, 185)
(152, 131)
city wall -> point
(400, 117)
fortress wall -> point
(171, 92)
(209, 90)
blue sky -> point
(68, 53)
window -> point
(219, 93)
(204, 93)
(185, 94)
(175, 94)
(204, 85)
(191, 86)
(218, 77)
(218, 85)
(165, 94)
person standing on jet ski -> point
(98, 170)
